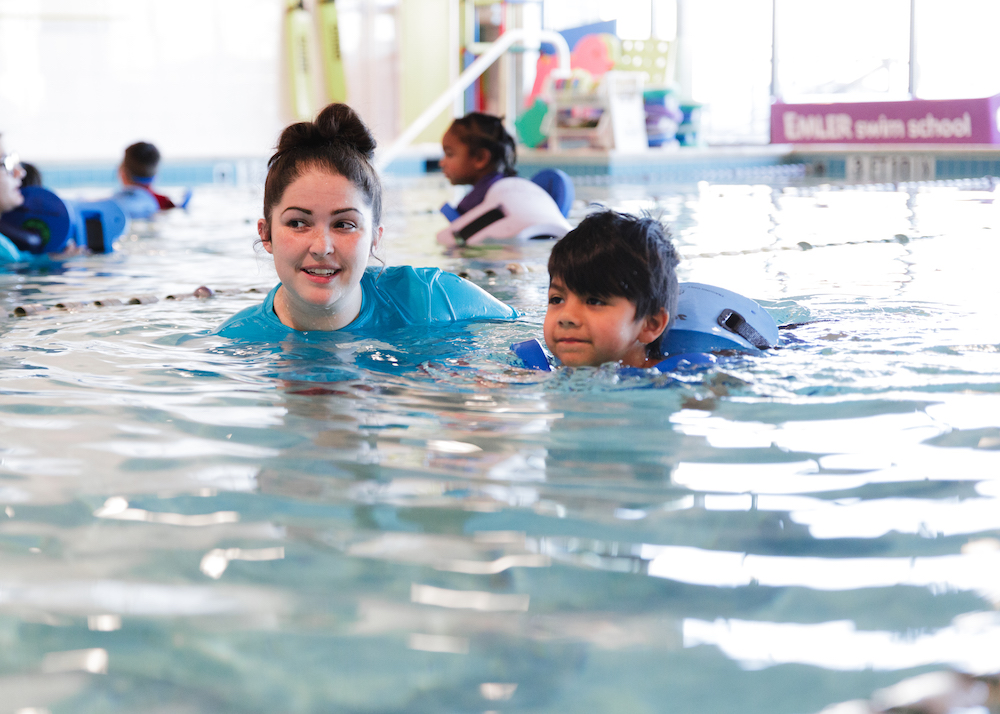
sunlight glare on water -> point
(409, 523)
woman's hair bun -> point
(337, 123)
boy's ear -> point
(653, 326)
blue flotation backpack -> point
(45, 223)
(709, 319)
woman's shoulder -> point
(255, 322)
(424, 295)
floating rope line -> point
(804, 245)
(202, 292)
(983, 183)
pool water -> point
(411, 524)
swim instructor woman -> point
(322, 221)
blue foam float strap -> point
(687, 360)
(530, 352)
(735, 322)
(450, 212)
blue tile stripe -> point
(653, 168)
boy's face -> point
(583, 330)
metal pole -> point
(913, 49)
(455, 61)
(472, 72)
(683, 66)
(775, 88)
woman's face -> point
(321, 235)
(11, 174)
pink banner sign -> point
(918, 121)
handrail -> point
(470, 75)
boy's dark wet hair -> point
(141, 161)
(338, 142)
(481, 131)
(614, 254)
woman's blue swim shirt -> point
(391, 298)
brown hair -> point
(338, 141)
(141, 160)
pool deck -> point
(840, 163)
(767, 163)
(837, 163)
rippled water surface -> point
(409, 524)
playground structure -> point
(591, 90)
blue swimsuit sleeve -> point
(456, 298)
(687, 360)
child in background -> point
(612, 292)
(137, 171)
(32, 176)
(500, 207)
(477, 151)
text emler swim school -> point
(837, 127)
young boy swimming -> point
(612, 292)
(136, 172)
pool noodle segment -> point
(299, 36)
(93, 224)
(333, 64)
(96, 224)
(45, 214)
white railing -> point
(470, 75)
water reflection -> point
(968, 644)
(411, 524)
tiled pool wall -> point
(848, 164)
(232, 172)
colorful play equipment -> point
(663, 116)
(471, 73)
(601, 104)
(655, 59)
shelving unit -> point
(617, 101)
